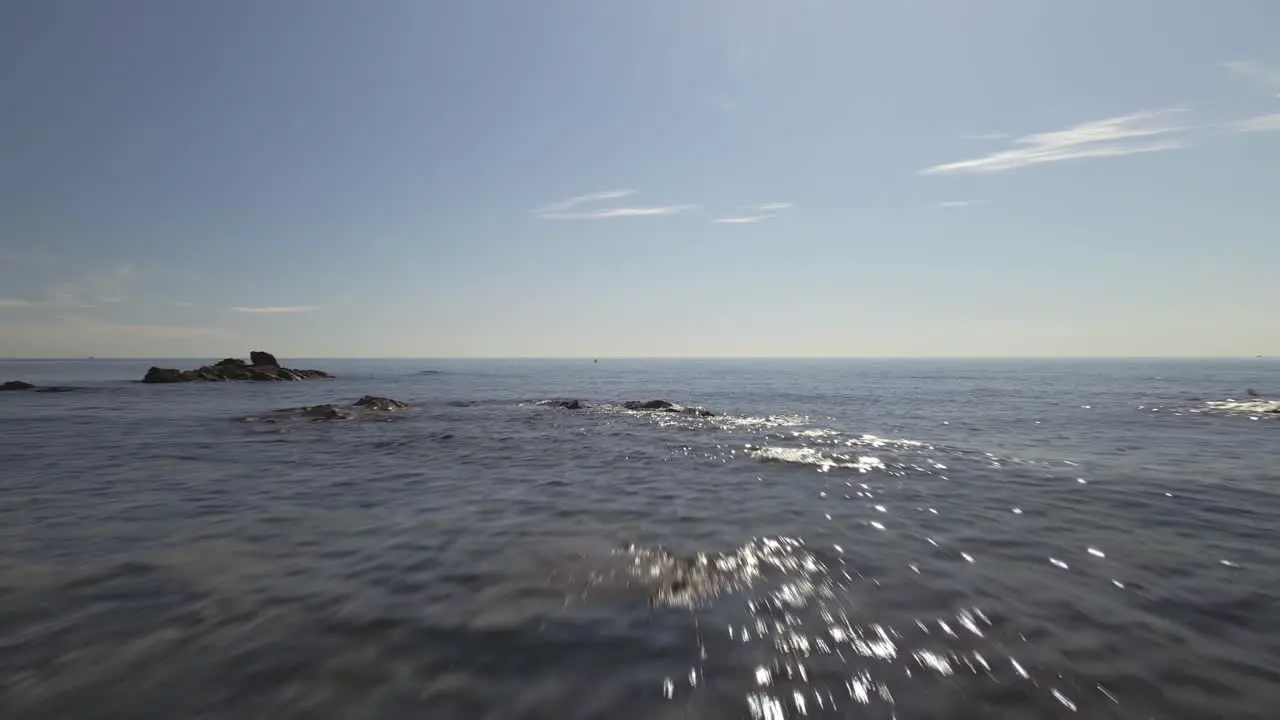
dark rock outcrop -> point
(18, 385)
(666, 406)
(565, 404)
(366, 408)
(265, 359)
(162, 375)
(648, 405)
(262, 367)
(380, 403)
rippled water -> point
(846, 539)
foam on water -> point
(1249, 407)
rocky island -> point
(261, 366)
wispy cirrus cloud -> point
(275, 309)
(1141, 132)
(742, 220)
(77, 336)
(1262, 123)
(760, 213)
(171, 332)
(15, 303)
(111, 285)
(583, 207)
(563, 205)
(1254, 72)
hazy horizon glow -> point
(664, 179)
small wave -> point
(790, 573)
(1248, 407)
(811, 622)
(879, 442)
(766, 422)
(824, 461)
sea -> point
(842, 539)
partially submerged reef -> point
(369, 407)
(656, 406)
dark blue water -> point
(866, 539)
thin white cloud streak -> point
(1262, 123)
(1253, 71)
(772, 206)
(563, 205)
(72, 326)
(275, 309)
(621, 212)
(1141, 132)
(571, 208)
(105, 286)
(958, 203)
(745, 220)
(14, 303)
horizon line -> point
(91, 358)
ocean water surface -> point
(869, 539)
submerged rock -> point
(16, 385)
(320, 412)
(261, 367)
(666, 406)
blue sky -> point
(659, 178)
